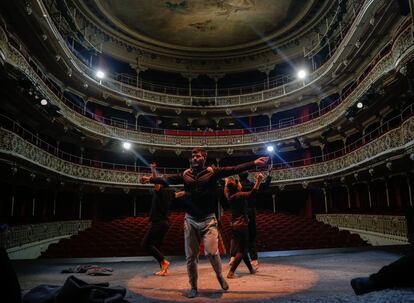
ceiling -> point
(203, 24)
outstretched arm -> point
(249, 194)
(166, 180)
(226, 171)
(179, 194)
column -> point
(33, 203)
(54, 202)
(216, 78)
(369, 195)
(269, 116)
(410, 196)
(348, 196)
(57, 148)
(135, 205)
(190, 77)
(12, 201)
(85, 103)
(82, 149)
(274, 203)
(325, 199)
(267, 69)
(387, 194)
(138, 67)
(80, 205)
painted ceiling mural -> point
(203, 23)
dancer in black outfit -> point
(200, 224)
(239, 201)
(159, 222)
(251, 214)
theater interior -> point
(94, 91)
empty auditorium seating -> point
(286, 232)
(122, 237)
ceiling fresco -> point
(203, 23)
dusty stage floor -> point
(296, 276)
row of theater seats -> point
(122, 237)
(287, 232)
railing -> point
(384, 224)
(185, 100)
(19, 235)
(273, 82)
(295, 121)
(391, 124)
(16, 128)
(389, 53)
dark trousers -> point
(154, 237)
(252, 235)
(251, 245)
(240, 246)
(397, 274)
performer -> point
(200, 222)
(159, 222)
(246, 186)
(239, 221)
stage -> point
(291, 276)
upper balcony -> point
(343, 47)
(394, 139)
(391, 58)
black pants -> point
(154, 237)
(252, 234)
(397, 274)
(240, 246)
(251, 245)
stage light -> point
(302, 74)
(360, 105)
(270, 148)
(100, 74)
(43, 102)
(126, 145)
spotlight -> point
(100, 74)
(126, 145)
(43, 102)
(270, 148)
(302, 74)
(360, 105)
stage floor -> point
(294, 276)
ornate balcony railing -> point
(268, 95)
(15, 142)
(19, 235)
(396, 52)
(390, 225)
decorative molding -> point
(19, 235)
(402, 47)
(377, 229)
(266, 96)
(395, 141)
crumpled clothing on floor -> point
(76, 290)
(92, 270)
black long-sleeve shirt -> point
(247, 186)
(160, 204)
(239, 202)
(200, 185)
